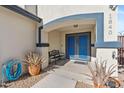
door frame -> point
(75, 34)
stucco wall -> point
(106, 54)
(54, 40)
(17, 35)
(22, 6)
(52, 12)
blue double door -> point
(78, 46)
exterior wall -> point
(54, 40)
(106, 54)
(31, 8)
(22, 6)
(17, 35)
(50, 13)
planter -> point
(99, 86)
(34, 69)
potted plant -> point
(102, 76)
(34, 61)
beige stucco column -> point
(110, 34)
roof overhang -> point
(23, 12)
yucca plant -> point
(34, 61)
(101, 74)
(33, 58)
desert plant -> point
(33, 58)
(101, 74)
(34, 61)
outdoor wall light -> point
(114, 55)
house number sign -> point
(110, 24)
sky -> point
(121, 18)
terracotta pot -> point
(34, 69)
(99, 86)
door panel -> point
(83, 47)
(70, 46)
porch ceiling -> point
(79, 27)
(69, 25)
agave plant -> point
(101, 73)
(33, 58)
(34, 61)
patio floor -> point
(65, 76)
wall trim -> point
(111, 44)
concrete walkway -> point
(65, 76)
(55, 81)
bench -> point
(55, 55)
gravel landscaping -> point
(83, 85)
(27, 81)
